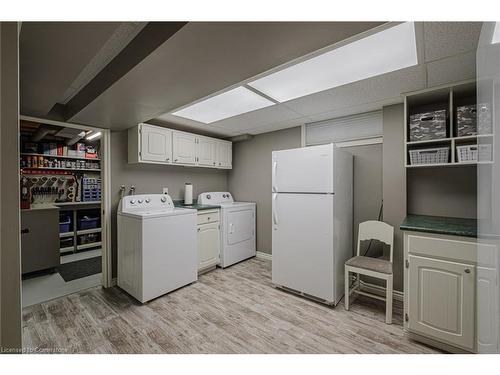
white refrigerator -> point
(312, 220)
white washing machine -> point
(237, 227)
(157, 246)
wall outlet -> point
(165, 190)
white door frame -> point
(105, 157)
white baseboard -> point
(368, 287)
(263, 255)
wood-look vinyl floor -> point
(236, 310)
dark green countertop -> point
(440, 225)
(196, 206)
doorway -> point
(64, 202)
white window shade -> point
(344, 129)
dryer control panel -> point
(216, 197)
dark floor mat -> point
(80, 268)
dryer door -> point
(240, 225)
(239, 235)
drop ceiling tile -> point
(452, 69)
(188, 125)
(444, 39)
(387, 86)
(259, 118)
(277, 126)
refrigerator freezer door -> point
(303, 231)
(303, 170)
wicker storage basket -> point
(467, 153)
(436, 155)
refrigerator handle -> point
(275, 216)
(275, 167)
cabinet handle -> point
(176, 160)
(168, 159)
(198, 229)
(25, 230)
(467, 270)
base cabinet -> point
(208, 240)
(441, 300)
(440, 290)
(39, 240)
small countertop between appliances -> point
(196, 206)
(440, 225)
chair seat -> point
(372, 264)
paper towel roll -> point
(188, 193)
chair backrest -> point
(376, 230)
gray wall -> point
(150, 178)
(367, 186)
(454, 195)
(250, 178)
(10, 254)
(394, 186)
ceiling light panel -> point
(386, 51)
(228, 104)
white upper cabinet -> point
(149, 144)
(184, 148)
(224, 154)
(207, 151)
(156, 144)
(159, 145)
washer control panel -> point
(147, 201)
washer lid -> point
(146, 214)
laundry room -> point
(257, 187)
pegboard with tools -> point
(49, 187)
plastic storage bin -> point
(437, 155)
(485, 152)
(87, 222)
(64, 223)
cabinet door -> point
(224, 154)
(208, 245)
(487, 310)
(207, 151)
(156, 144)
(441, 300)
(184, 148)
(40, 240)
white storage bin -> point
(466, 153)
(436, 155)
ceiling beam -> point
(149, 38)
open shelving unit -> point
(59, 156)
(75, 211)
(448, 99)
